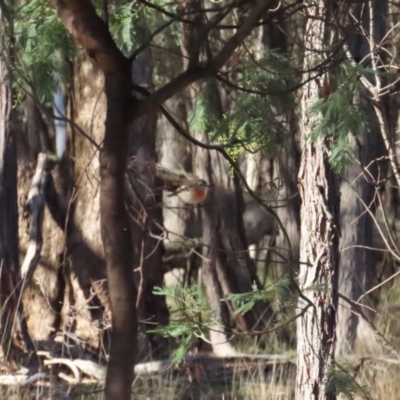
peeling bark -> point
(35, 206)
(319, 248)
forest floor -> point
(207, 378)
(210, 380)
(372, 376)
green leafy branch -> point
(190, 319)
(342, 112)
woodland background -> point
(289, 110)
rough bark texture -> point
(13, 333)
(85, 262)
(116, 237)
(319, 251)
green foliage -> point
(342, 112)
(44, 46)
(250, 127)
(272, 75)
(341, 382)
(206, 110)
(128, 25)
(318, 287)
(191, 317)
(189, 320)
(256, 121)
(244, 302)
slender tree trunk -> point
(183, 223)
(227, 265)
(116, 236)
(319, 251)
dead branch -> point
(35, 206)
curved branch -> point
(35, 206)
(70, 364)
(92, 33)
(208, 70)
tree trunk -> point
(227, 266)
(116, 236)
(357, 191)
(357, 227)
(13, 332)
(286, 164)
(93, 35)
(43, 297)
(319, 251)
(181, 222)
(85, 262)
(145, 212)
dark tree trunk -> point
(116, 236)
(144, 206)
(227, 266)
(93, 35)
(13, 332)
(319, 248)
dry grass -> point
(239, 384)
(381, 380)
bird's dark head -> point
(202, 183)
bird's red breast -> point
(199, 193)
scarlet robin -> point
(192, 192)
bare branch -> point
(35, 206)
(211, 68)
